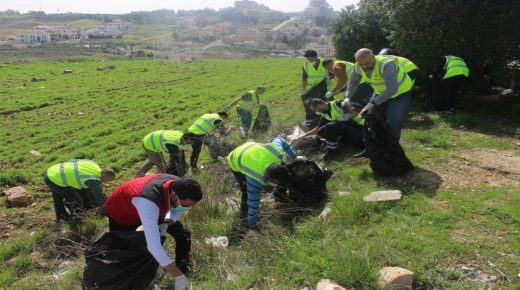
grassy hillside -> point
(460, 209)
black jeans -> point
(449, 92)
(195, 152)
(177, 230)
(242, 184)
(64, 198)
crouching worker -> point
(148, 201)
(337, 123)
(203, 126)
(75, 184)
(253, 164)
(167, 141)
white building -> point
(243, 35)
(33, 36)
(326, 50)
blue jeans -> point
(395, 111)
(245, 118)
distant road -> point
(284, 23)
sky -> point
(125, 6)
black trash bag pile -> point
(307, 184)
(119, 260)
(263, 120)
(218, 146)
(386, 156)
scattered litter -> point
(67, 71)
(35, 79)
(383, 195)
(465, 269)
(231, 277)
(35, 153)
(217, 243)
(342, 193)
(325, 213)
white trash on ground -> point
(383, 195)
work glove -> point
(300, 158)
(181, 282)
(329, 95)
(367, 108)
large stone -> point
(18, 197)
(396, 278)
(326, 284)
(383, 195)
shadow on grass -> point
(421, 179)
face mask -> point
(180, 209)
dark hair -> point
(223, 114)
(316, 101)
(108, 172)
(277, 172)
(187, 188)
(310, 53)
(325, 62)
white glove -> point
(328, 95)
(367, 108)
(181, 282)
(300, 158)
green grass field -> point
(460, 208)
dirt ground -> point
(469, 168)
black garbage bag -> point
(307, 184)
(263, 120)
(119, 260)
(318, 91)
(386, 155)
(218, 146)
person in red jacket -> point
(148, 201)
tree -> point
(364, 26)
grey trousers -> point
(154, 158)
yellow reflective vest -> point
(204, 124)
(157, 140)
(249, 105)
(252, 159)
(74, 173)
(455, 66)
(376, 80)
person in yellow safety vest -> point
(165, 141)
(337, 123)
(451, 71)
(255, 164)
(203, 126)
(313, 74)
(342, 71)
(392, 88)
(246, 103)
(75, 184)
(409, 67)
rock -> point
(218, 243)
(326, 284)
(67, 71)
(35, 153)
(325, 213)
(465, 269)
(383, 195)
(18, 197)
(395, 278)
